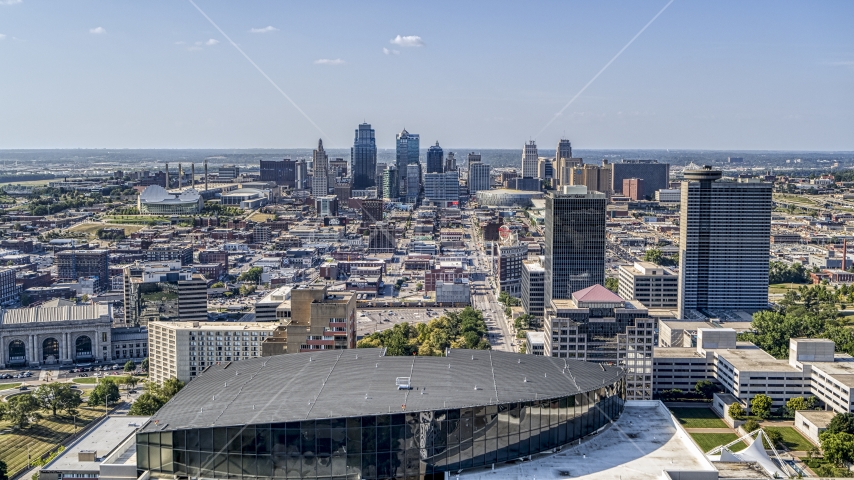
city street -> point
(483, 297)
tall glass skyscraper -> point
(408, 149)
(575, 241)
(724, 240)
(434, 158)
(364, 157)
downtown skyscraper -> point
(320, 175)
(407, 151)
(434, 158)
(529, 160)
(575, 241)
(363, 156)
(724, 243)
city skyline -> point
(699, 76)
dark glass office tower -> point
(407, 152)
(724, 242)
(575, 241)
(434, 159)
(364, 158)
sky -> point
(758, 75)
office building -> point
(413, 183)
(228, 173)
(743, 370)
(73, 264)
(595, 178)
(343, 191)
(655, 176)
(529, 160)
(511, 253)
(338, 169)
(442, 189)
(724, 243)
(633, 188)
(480, 177)
(456, 293)
(9, 290)
(564, 149)
(668, 195)
(650, 284)
(183, 350)
(283, 172)
(596, 325)
(545, 168)
(535, 343)
(434, 159)
(319, 320)
(450, 162)
(168, 252)
(533, 289)
(363, 155)
(447, 272)
(301, 175)
(435, 429)
(381, 238)
(326, 206)
(372, 210)
(193, 298)
(407, 151)
(575, 241)
(214, 256)
(391, 189)
(320, 175)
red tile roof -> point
(596, 293)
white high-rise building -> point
(442, 188)
(320, 178)
(530, 160)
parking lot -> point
(378, 319)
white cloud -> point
(97, 31)
(329, 61)
(407, 41)
(10, 2)
(267, 29)
(211, 42)
(180, 43)
(391, 52)
(2, 37)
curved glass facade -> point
(399, 445)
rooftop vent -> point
(403, 383)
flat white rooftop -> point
(641, 444)
(102, 439)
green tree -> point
(218, 285)
(841, 422)
(105, 392)
(144, 365)
(760, 406)
(251, 275)
(799, 403)
(750, 425)
(838, 448)
(419, 286)
(57, 396)
(23, 410)
(130, 366)
(147, 404)
(774, 436)
(736, 411)
(705, 388)
(612, 284)
(171, 386)
(3, 471)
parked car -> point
(83, 375)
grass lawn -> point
(698, 418)
(260, 217)
(5, 386)
(48, 433)
(708, 441)
(783, 287)
(86, 380)
(791, 438)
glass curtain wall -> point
(403, 445)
